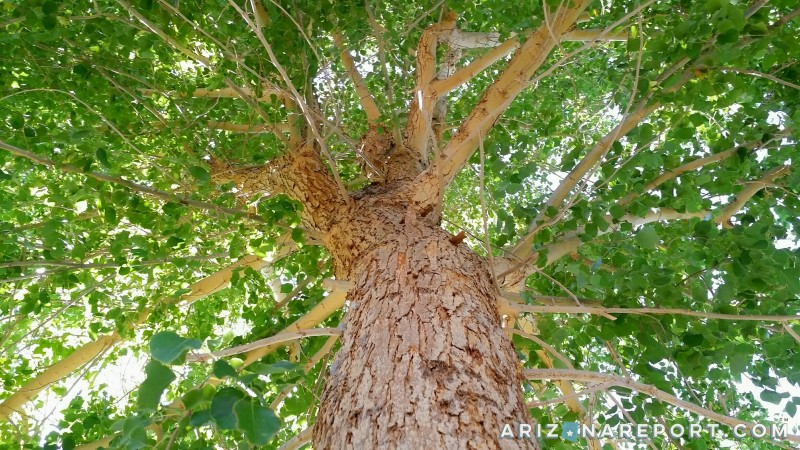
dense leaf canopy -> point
(110, 217)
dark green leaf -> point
(168, 347)
(158, 379)
(257, 423)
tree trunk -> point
(424, 361)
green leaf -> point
(168, 347)
(739, 363)
(647, 237)
(102, 157)
(200, 173)
(222, 407)
(616, 211)
(50, 7)
(222, 369)
(771, 396)
(158, 379)
(17, 121)
(49, 22)
(200, 418)
(257, 423)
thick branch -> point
(364, 96)
(300, 174)
(420, 113)
(478, 65)
(495, 100)
(594, 377)
(748, 192)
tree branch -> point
(209, 285)
(443, 86)
(364, 96)
(423, 100)
(523, 248)
(299, 440)
(756, 73)
(514, 269)
(680, 170)
(321, 311)
(298, 173)
(267, 93)
(310, 121)
(601, 311)
(595, 35)
(168, 39)
(751, 188)
(594, 377)
(261, 343)
(276, 129)
(494, 101)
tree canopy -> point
(637, 193)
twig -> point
(595, 377)
(277, 339)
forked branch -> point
(493, 103)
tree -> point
(378, 224)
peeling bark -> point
(424, 361)
(300, 174)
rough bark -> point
(424, 362)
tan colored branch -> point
(326, 348)
(299, 440)
(521, 264)
(100, 443)
(529, 329)
(600, 311)
(299, 100)
(594, 377)
(680, 170)
(228, 92)
(261, 343)
(364, 96)
(756, 73)
(523, 248)
(54, 373)
(423, 100)
(478, 65)
(209, 285)
(275, 129)
(493, 103)
(324, 309)
(595, 35)
(748, 192)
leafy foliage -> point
(92, 86)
